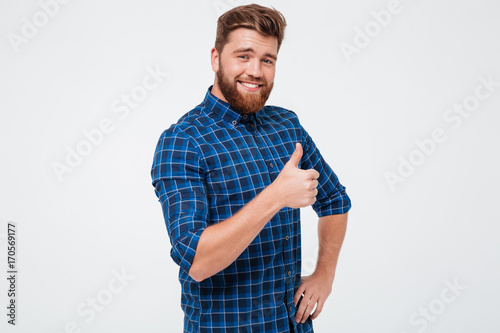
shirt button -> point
(234, 122)
(245, 116)
(289, 273)
(290, 309)
(270, 165)
(286, 237)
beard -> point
(245, 103)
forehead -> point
(247, 38)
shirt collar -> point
(226, 111)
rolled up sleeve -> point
(332, 197)
(178, 178)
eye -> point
(243, 56)
(267, 61)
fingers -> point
(314, 293)
(300, 311)
(318, 310)
(314, 190)
(306, 306)
(311, 174)
(295, 161)
(298, 187)
(298, 294)
(296, 156)
(310, 307)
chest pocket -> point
(225, 180)
(233, 184)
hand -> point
(315, 290)
(295, 187)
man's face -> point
(245, 69)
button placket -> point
(266, 155)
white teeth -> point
(249, 85)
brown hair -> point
(264, 20)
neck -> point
(217, 92)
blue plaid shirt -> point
(206, 167)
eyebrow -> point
(250, 50)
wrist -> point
(273, 197)
(325, 274)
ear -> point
(214, 56)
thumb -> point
(296, 156)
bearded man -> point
(231, 176)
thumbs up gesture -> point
(296, 188)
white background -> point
(364, 112)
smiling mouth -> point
(250, 85)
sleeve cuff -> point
(184, 250)
(339, 205)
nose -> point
(254, 68)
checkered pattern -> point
(206, 167)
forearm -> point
(221, 244)
(331, 232)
